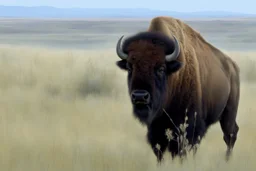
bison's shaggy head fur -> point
(150, 58)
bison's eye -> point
(129, 67)
(161, 71)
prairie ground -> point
(68, 109)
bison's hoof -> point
(228, 154)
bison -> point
(174, 77)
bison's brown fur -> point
(207, 83)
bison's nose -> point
(140, 97)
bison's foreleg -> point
(158, 143)
(195, 131)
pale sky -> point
(245, 6)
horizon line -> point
(51, 6)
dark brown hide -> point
(201, 79)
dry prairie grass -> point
(69, 110)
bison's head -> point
(149, 58)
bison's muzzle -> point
(141, 102)
(140, 97)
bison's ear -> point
(122, 64)
(173, 66)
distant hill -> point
(53, 12)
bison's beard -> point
(142, 111)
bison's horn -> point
(176, 52)
(119, 49)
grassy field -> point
(68, 109)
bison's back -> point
(189, 38)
